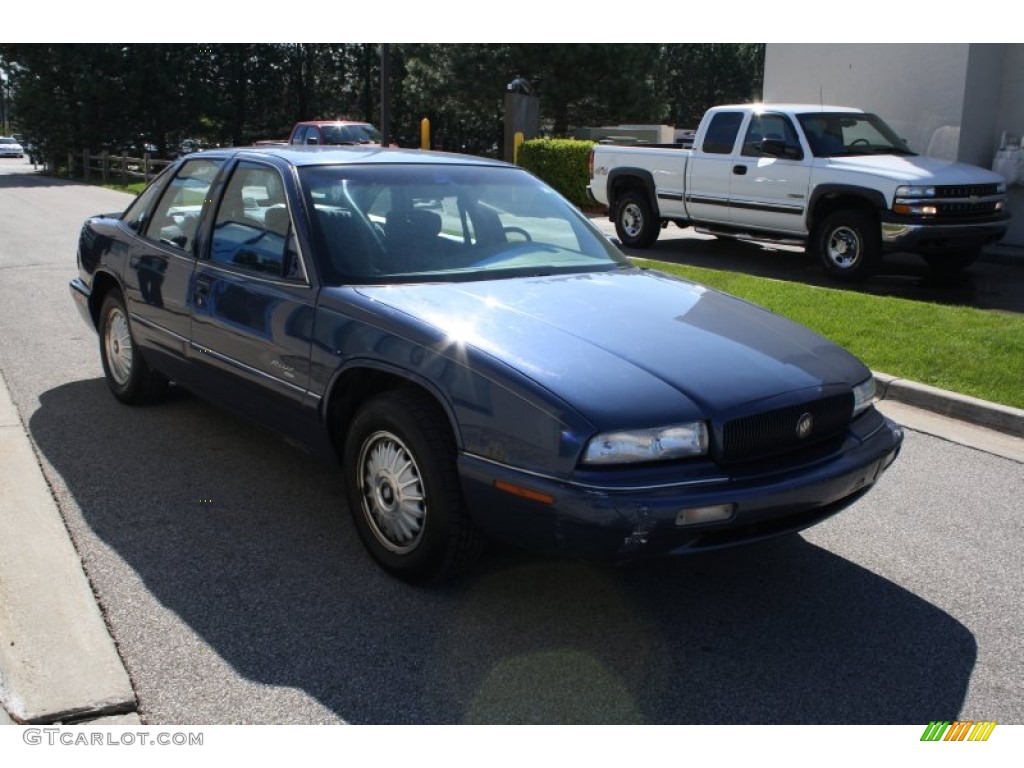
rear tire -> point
(128, 375)
(404, 491)
(849, 244)
(635, 222)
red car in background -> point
(335, 132)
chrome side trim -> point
(136, 318)
(238, 364)
(592, 487)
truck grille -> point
(962, 208)
(973, 190)
(773, 432)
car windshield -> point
(358, 133)
(836, 134)
(8, 141)
(401, 223)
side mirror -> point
(779, 148)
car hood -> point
(916, 169)
(629, 347)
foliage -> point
(698, 76)
(114, 96)
(562, 163)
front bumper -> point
(615, 524)
(901, 234)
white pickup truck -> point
(836, 180)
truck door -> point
(769, 189)
(711, 169)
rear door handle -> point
(739, 170)
(201, 289)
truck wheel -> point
(849, 244)
(950, 263)
(635, 222)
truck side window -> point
(721, 134)
(768, 127)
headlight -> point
(863, 394)
(1001, 188)
(659, 444)
(915, 191)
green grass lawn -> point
(133, 188)
(972, 351)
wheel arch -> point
(623, 180)
(828, 198)
(360, 380)
(103, 282)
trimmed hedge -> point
(562, 163)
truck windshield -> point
(836, 134)
(416, 222)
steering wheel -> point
(518, 231)
(861, 140)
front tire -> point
(129, 377)
(635, 222)
(849, 244)
(403, 489)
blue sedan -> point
(478, 358)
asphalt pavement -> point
(59, 662)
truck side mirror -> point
(779, 148)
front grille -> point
(774, 432)
(975, 190)
(966, 209)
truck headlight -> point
(659, 444)
(863, 394)
(915, 191)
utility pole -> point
(385, 94)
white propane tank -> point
(1008, 162)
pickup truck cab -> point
(836, 180)
(334, 132)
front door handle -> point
(739, 170)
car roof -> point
(333, 122)
(306, 155)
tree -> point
(698, 76)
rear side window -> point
(175, 219)
(721, 134)
(138, 213)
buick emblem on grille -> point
(804, 425)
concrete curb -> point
(57, 659)
(1002, 418)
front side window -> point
(253, 230)
(175, 218)
(720, 137)
(777, 127)
(416, 223)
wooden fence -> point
(108, 167)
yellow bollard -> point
(425, 133)
(517, 141)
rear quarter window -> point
(720, 137)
